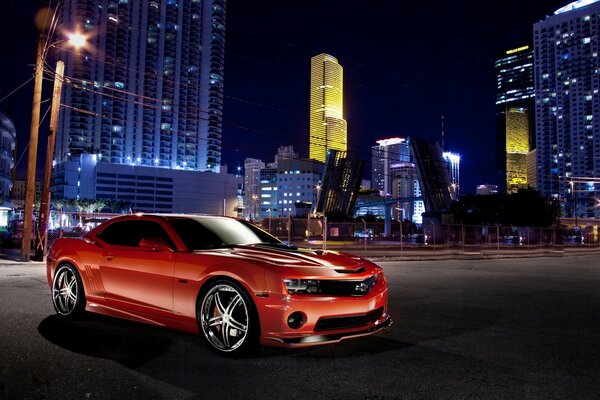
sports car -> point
(225, 279)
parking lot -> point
(498, 328)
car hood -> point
(298, 258)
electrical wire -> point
(17, 89)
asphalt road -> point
(481, 329)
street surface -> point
(482, 329)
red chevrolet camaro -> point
(225, 279)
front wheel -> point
(227, 318)
(68, 296)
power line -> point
(17, 89)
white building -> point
(567, 109)
(148, 189)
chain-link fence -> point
(368, 235)
(372, 234)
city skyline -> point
(401, 75)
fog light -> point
(295, 320)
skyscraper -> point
(567, 80)
(514, 116)
(279, 188)
(148, 88)
(143, 101)
(389, 154)
(8, 136)
(328, 129)
(252, 170)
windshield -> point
(207, 233)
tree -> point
(524, 208)
(59, 204)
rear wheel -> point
(227, 318)
(68, 296)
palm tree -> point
(124, 206)
(100, 204)
(59, 205)
(112, 205)
(90, 207)
(80, 206)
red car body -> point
(162, 283)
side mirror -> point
(154, 244)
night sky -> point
(405, 65)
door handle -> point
(109, 256)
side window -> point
(195, 235)
(129, 233)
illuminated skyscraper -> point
(389, 154)
(8, 136)
(148, 88)
(143, 115)
(328, 129)
(514, 116)
(567, 81)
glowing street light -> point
(76, 39)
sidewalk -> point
(13, 256)
(406, 253)
(395, 252)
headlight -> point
(301, 285)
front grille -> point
(351, 321)
(335, 287)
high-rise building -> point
(8, 136)
(514, 116)
(567, 80)
(277, 189)
(298, 184)
(486, 189)
(394, 174)
(285, 152)
(387, 155)
(328, 129)
(147, 90)
(252, 171)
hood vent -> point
(350, 271)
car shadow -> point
(134, 344)
(128, 343)
(182, 360)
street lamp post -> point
(318, 190)
(574, 194)
(254, 206)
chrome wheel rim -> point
(65, 291)
(224, 317)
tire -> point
(227, 318)
(68, 295)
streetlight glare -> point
(76, 39)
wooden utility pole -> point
(32, 154)
(45, 197)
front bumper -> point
(331, 337)
(327, 319)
